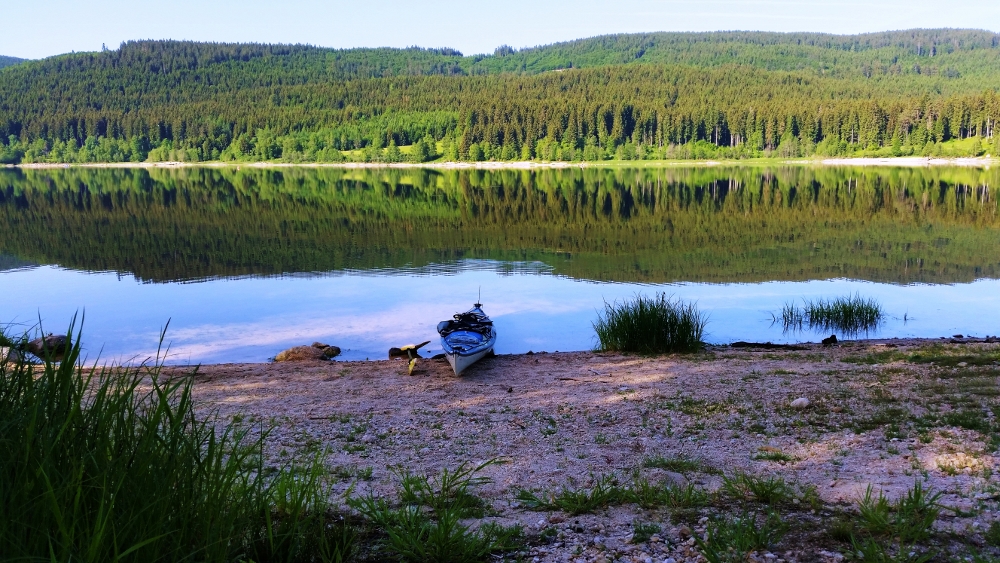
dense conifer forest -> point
(729, 95)
(7, 61)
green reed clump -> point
(650, 325)
(849, 314)
(110, 464)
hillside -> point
(8, 61)
(659, 95)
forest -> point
(733, 95)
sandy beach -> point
(881, 413)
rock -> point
(393, 352)
(830, 341)
(330, 352)
(800, 403)
(962, 364)
(299, 354)
(53, 347)
(957, 336)
(320, 345)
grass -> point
(425, 522)
(732, 539)
(882, 526)
(650, 325)
(110, 464)
(766, 490)
(848, 315)
(605, 492)
(679, 464)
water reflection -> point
(249, 262)
(632, 225)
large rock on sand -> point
(51, 347)
(306, 353)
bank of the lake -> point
(902, 161)
(881, 413)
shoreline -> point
(906, 162)
(877, 416)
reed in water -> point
(650, 325)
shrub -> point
(650, 325)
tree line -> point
(735, 95)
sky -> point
(41, 28)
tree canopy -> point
(657, 95)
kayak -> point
(467, 338)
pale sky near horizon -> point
(42, 28)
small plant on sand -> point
(650, 325)
(850, 315)
(731, 539)
(679, 464)
(642, 531)
(652, 495)
(425, 524)
(765, 490)
(605, 492)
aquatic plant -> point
(110, 464)
(650, 325)
(850, 315)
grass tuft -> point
(732, 539)
(110, 464)
(849, 315)
(650, 325)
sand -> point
(561, 419)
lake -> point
(246, 262)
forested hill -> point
(7, 61)
(657, 95)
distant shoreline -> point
(908, 162)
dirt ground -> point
(885, 414)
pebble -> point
(800, 403)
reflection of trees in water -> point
(640, 224)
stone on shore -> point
(51, 346)
(800, 403)
(307, 353)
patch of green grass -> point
(111, 464)
(969, 419)
(880, 418)
(874, 358)
(992, 534)
(849, 315)
(769, 490)
(642, 531)
(425, 522)
(651, 495)
(945, 358)
(882, 526)
(650, 325)
(732, 539)
(605, 492)
(779, 457)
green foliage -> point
(425, 525)
(992, 534)
(883, 526)
(650, 325)
(626, 97)
(605, 492)
(849, 315)
(731, 539)
(642, 531)
(771, 490)
(110, 464)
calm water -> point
(246, 263)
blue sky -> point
(41, 28)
